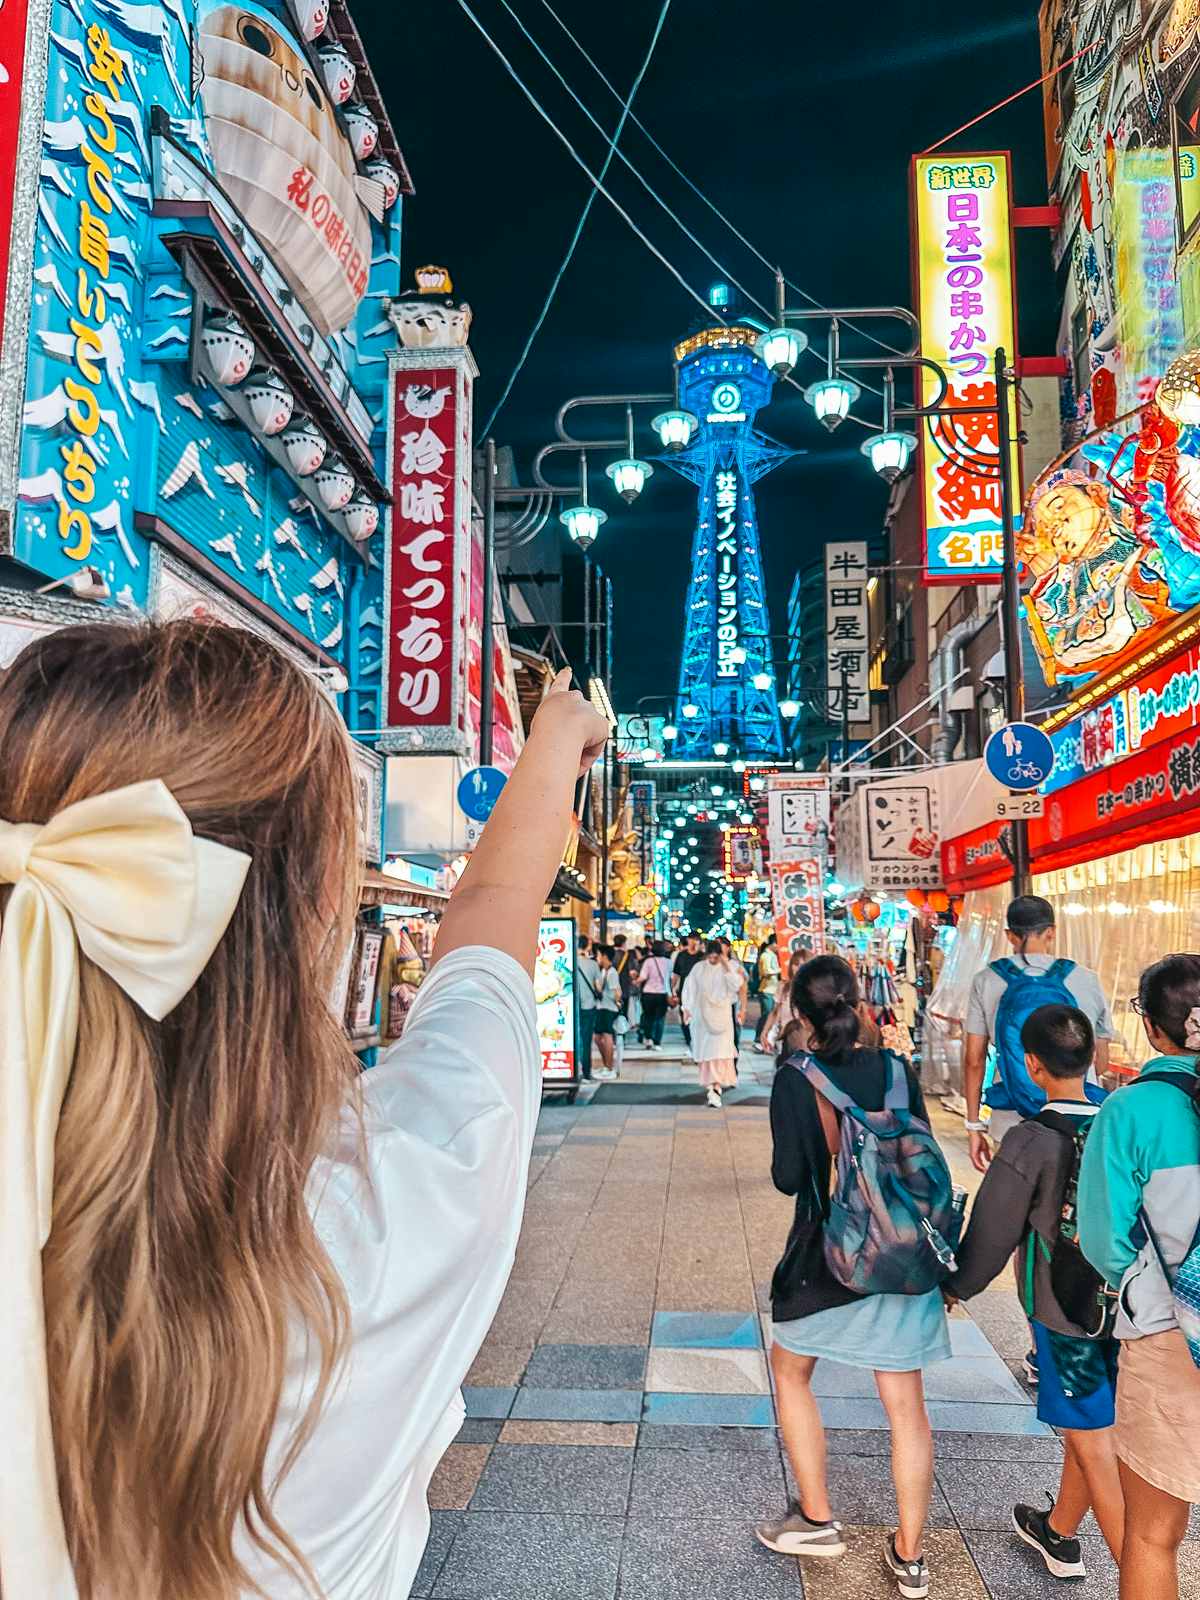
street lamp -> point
(628, 477)
(720, 748)
(788, 709)
(670, 732)
(738, 655)
(738, 764)
(889, 452)
(675, 428)
(583, 523)
(780, 349)
(690, 710)
(831, 399)
(762, 680)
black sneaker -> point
(794, 1534)
(1029, 1366)
(1063, 1557)
(912, 1577)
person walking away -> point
(686, 957)
(1002, 996)
(587, 981)
(815, 1314)
(768, 989)
(739, 1005)
(607, 991)
(1028, 1205)
(244, 1279)
(654, 985)
(708, 996)
(1139, 1225)
(625, 966)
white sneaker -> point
(714, 1099)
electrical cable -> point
(621, 156)
(626, 107)
(582, 164)
(700, 194)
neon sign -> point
(725, 502)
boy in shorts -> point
(1027, 1204)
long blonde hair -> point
(182, 1247)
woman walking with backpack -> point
(831, 1081)
(1139, 1225)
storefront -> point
(1118, 849)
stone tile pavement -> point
(621, 1438)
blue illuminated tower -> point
(726, 624)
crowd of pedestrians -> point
(1092, 1197)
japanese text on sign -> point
(846, 634)
(797, 898)
(964, 267)
(726, 568)
(421, 664)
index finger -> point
(561, 683)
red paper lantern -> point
(939, 900)
(871, 910)
(857, 912)
(956, 905)
(916, 898)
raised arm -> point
(499, 899)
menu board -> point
(554, 992)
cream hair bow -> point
(122, 878)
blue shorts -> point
(1077, 1380)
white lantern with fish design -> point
(305, 445)
(334, 483)
(270, 400)
(228, 348)
(338, 71)
(363, 130)
(360, 517)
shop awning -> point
(378, 889)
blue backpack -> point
(1013, 1089)
(893, 1225)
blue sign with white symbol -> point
(1019, 756)
(726, 398)
(479, 791)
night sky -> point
(799, 125)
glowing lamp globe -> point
(780, 349)
(628, 477)
(762, 680)
(789, 709)
(738, 764)
(831, 399)
(720, 748)
(674, 429)
(738, 655)
(889, 453)
(583, 523)
(691, 710)
(670, 733)
(1178, 394)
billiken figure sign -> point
(427, 598)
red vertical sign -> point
(426, 551)
(798, 898)
(13, 19)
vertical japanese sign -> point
(554, 994)
(428, 561)
(798, 814)
(1150, 313)
(14, 15)
(741, 854)
(797, 899)
(963, 259)
(847, 646)
(901, 834)
(725, 504)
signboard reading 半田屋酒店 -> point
(963, 263)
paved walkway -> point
(621, 1433)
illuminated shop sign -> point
(962, 221)
(1155, 708)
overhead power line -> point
(587, 205)
(582, 164)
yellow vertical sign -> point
(962, 223)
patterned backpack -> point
(1183, 1280)
(892, 1222)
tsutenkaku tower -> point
(727, 628)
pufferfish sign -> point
(285, 159)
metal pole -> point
(845, 728)
(487, 665)
(604, 663)
(1010, 606)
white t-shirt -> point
(423, 1233)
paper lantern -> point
(228, 348)
(270, 400)
(956, 905)
(916, 898)
(939, 900)
(857, 914)
(338, 71)
(871, 910)
(305, 445)
(360, 517)
(334, 483)
(363, 130)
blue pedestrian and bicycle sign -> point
(1019, 756)
(479, 790)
